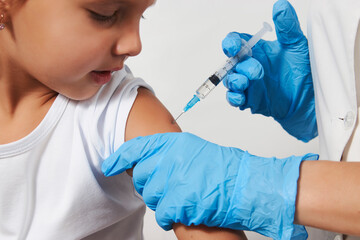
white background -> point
(181, 48)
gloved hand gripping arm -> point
(276, 81)
(186, 179)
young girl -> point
(66, 103)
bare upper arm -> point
(208, 233)
(149, 116)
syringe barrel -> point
(207, 86)
(218, 76)
(231, 62)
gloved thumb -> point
(231, 44)
(286, 22)
(125, 157)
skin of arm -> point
(329, 196)
(148, 116)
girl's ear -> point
(3, 12)
(7, 7)
(4, 9)
(4, 6)
(2, 24)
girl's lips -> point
(116, 69)
(101, 77)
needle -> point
(179, 116)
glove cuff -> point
(264, 197)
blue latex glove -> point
(276, 81)
(189, 180)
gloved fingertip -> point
(236, 82)
(163, 220)
(226, 80)
(150, 199)
(166, 227)
(245, 36)
(286, 22)
(251, 68)
(280, 4)
(106, 168)
(139, 188)
(282, 7)
(114, 165)
(242, 108)
(231, 44)
(299, 232)
(235, 99)
(239, 83)
(311, 157)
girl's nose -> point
(128, 42)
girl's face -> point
(72, 46)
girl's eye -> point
(103, 18)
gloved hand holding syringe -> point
(218, 76)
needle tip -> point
(179, 116)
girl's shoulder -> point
(103, 117)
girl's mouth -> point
(101, 77)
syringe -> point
(218, 76)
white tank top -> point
(51, 184)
